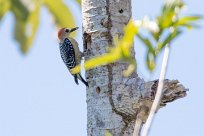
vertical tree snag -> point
(114, 102)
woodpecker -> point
(70, 52)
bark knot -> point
(86, 40)
(120, 11)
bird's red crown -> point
(60, 32)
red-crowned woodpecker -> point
(70, 52)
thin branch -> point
(138, 126)
(158, 93)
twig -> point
(138, 126)
(158, 93)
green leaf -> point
(191, 25)
(157, 35)
(26, 27)
(150, 61)
(61, 13)
(78, 1)
(169, 14)
(147, 42)
(5, 5)
(186, 20)
(112, 56)
(126, 43)
(166, 20)
(168, 39)
(19, 9)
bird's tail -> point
(82, 80)
(76, 79)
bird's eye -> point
(67, 30)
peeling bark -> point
(114, 102)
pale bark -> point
(114, 102)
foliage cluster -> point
(27, 17)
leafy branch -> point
(27, 15)
(158, 34)
(164, 29)
(120, 52)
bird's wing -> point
(78, 53)
(68, 54)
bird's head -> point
(65, 32)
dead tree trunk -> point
(114, 102)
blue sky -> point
(38, 96)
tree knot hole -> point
(98, 89)
(121, 11)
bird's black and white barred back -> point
(67, 53)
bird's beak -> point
(74, 29)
